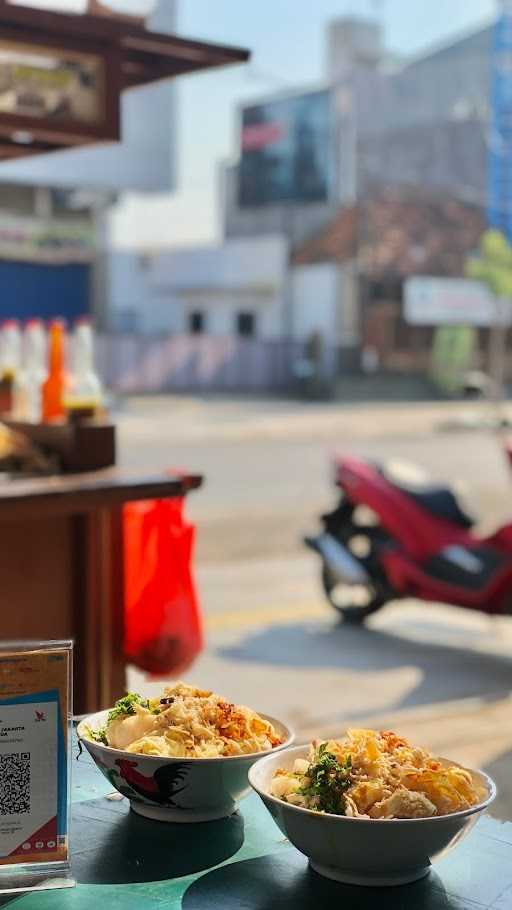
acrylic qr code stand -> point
(35, 766)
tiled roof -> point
(400, 233)
(337, 241)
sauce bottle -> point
(55, 383)
(84, 397)
(28, 387)
(10, 362)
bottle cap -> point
(83, 320)
(9, 323)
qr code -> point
(15, 783)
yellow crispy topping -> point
(377, 775)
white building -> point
(420, 121)
(242, 288)
(234, 316)
(238, 288)
(391, 123)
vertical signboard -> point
(500, 153)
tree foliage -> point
(494, 264)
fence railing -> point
(138, 363)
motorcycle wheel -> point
(353, 602)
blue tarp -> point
(30, 289)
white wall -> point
(157, 293)
(314, 289)
(161, 290)
(128, 291)
(238, 262)
(349, 312)
(325, 300)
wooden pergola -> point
(107, 54)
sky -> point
(286, 38)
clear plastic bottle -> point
(28, 386)
(10, 362)
(84, 398)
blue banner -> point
(499, 211)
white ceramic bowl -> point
(360, 851)
(176, 789)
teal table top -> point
(243, 863)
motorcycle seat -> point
(439, 501)
(472, 569)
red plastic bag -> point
(162, 620)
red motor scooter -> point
(390, 538)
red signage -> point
(260, 135)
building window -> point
(196, 322)
(246, 324)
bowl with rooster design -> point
(176, 789)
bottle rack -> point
(87, 445)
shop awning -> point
(61, 75)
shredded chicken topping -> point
(186, 722)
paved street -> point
(440, 674)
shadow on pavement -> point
(448, 672)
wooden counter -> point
(61, 567)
